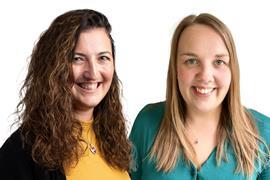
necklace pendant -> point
(93, 150)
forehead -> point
(200, 38)
(94, 38)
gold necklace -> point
(190, 131)
(92, 148)
(196, 141)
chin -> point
(90, 102)
(91, 105)
(206, 109)
(86, 105)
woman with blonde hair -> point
(201, 131)
(71, 124)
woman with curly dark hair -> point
(71, 124)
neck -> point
(203, 133)
(83, 115)
(203, 119)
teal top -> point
(143, 134)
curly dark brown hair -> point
(45, 113)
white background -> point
(142, 30)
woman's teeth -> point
(89, 86)
(204, 90)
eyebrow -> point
(100, 53)
(80, 54)
(188, 54)
(222, 55)
(105, 52)
(194, 55)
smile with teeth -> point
(204, 90)
(88, 86)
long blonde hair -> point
(236, 125)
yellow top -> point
(93, 166)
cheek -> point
(184, 77)
(108, 72)
(76, 72)
(225, 78)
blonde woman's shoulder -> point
(263, 124)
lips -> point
(88, 86)
(203, 90)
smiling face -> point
(93, 69)
(203, 71)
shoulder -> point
(150, 116)
(14, 158)
(12, 144)
(263, 124)
(12, 149)
(16, 162)
(146, 126)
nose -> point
(205, 73)
(90, 71)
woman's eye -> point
(77, 59)
(104, 58)
(219, 62)
(191, 61)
